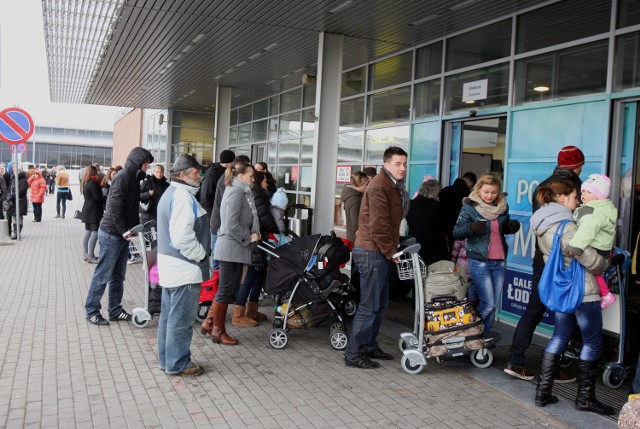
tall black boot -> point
(548, 367)
(586, 397)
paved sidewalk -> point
(57, 370)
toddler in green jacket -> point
(596, 220)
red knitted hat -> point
(570, 157)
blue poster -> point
(516, 293)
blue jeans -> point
(488, 278)
(175, 328)
(251, 286)
(214, 262)
(374, 271)
(589, 319)
(111, 269)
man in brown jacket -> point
(384, 204)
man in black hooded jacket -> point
(120, 216)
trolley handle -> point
(412, 248)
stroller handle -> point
(267, 248)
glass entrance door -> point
(259, 153)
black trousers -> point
(532, 316)
(37, 211)
(231, 274)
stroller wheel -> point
(349, 307)
(338, 339)
(203, 310)
(613, 376)
(278, 338)
(336, 326)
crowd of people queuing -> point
(208, 217)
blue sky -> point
(24, 79)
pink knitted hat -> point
(598, 185)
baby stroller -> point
(302, 275)
(446, 325)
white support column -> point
(223, 120)
(325, 148)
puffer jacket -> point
(23, 187)
(263, 208)
(124, 196)
(478, 244)
(544, 223)
(38, 187)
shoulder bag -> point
(561, 289)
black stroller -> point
(307, 285)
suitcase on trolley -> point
(451, 328)
(444, 278)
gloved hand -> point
(478, 227)
(512, 227)
(617, 259)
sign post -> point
(16, 126)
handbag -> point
(7, 205)
(258, 257)
(561, 289)
(69, 195)
(77, 214)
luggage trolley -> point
(412, 344)
(146, 237)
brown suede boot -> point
(239, 319)
(207, 325)
(253, 313)
(218, 332)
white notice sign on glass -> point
(476, 90)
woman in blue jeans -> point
(558, 200)
(483, 222)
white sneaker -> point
(134, 260)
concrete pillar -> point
(325, 148)
(223, 120)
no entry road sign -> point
(16, 125)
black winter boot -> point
(548, 367)
(586, 396)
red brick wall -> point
(127, 134)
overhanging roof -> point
(173, 54)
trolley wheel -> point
(410, 368)
(278, 338)
(405, 344)
(349, 307)
(203, 310)
(482, 358)
(338, 339)
(614, 376)
(565, 361)
(139, 322)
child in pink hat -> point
(596, 220)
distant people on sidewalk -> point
(38, 189)
(384, 204)
(120, 216)
(570, 162)
(52, 183)
(17, 215)
(484, 221)
(3, 189)
(46, 174)
(106, 181)
(92, 211)
(183, 264)
(62, 183)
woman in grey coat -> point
(239, 227)
(559, 200)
